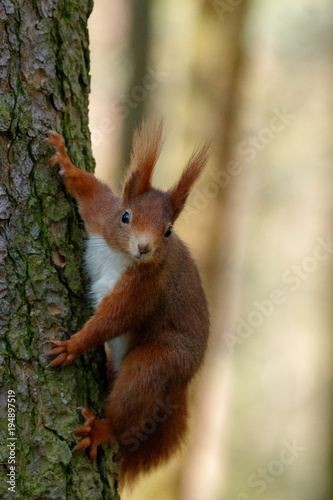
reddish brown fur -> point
(160, 302)
(179, 193)
(147, 144)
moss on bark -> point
(44, 84)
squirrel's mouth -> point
(146, 257)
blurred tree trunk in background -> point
(253, 219)
(204, 473)
(139, 45)
(44, 71)
(329, 48)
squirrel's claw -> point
(94, 432)
(85, 443)
(56, 158)
(61, 157)
(63, 357)
(56, 140)
(57, 350)
(82, 431)
(89, 418)
(59, 360)
(88, 415)
(86, 430)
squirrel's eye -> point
(125, 218)
(169, 231)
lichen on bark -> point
(44, 84)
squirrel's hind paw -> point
(95, 433)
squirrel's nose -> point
(143, 249)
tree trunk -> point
(44, 84)
(139, 44)
(205, 471)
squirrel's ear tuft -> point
(146, 148)
(179, 193)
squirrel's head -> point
(144, 222)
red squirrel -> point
(149, 302)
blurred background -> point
(256, 77)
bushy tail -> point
(158, 437)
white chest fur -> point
(105, 266)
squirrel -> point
(149, 302)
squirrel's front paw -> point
(95, 433)
(61, 157)
(63, 351)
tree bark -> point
(44, 84)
